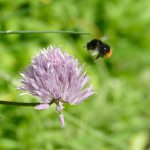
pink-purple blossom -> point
(56, 76)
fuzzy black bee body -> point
(98, 47)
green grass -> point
(117, 117)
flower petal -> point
(42, 106)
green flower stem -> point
(39, 32)
(21, 103)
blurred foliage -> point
(118, 116)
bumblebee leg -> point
(99, 55)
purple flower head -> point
(56, 76)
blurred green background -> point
(117, 117)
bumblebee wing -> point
(104, 38)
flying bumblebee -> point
(99, 48)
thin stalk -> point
(43, 32)
(21, 103)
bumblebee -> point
(99, 48)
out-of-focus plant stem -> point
(42, 32)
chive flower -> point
(56, 77)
